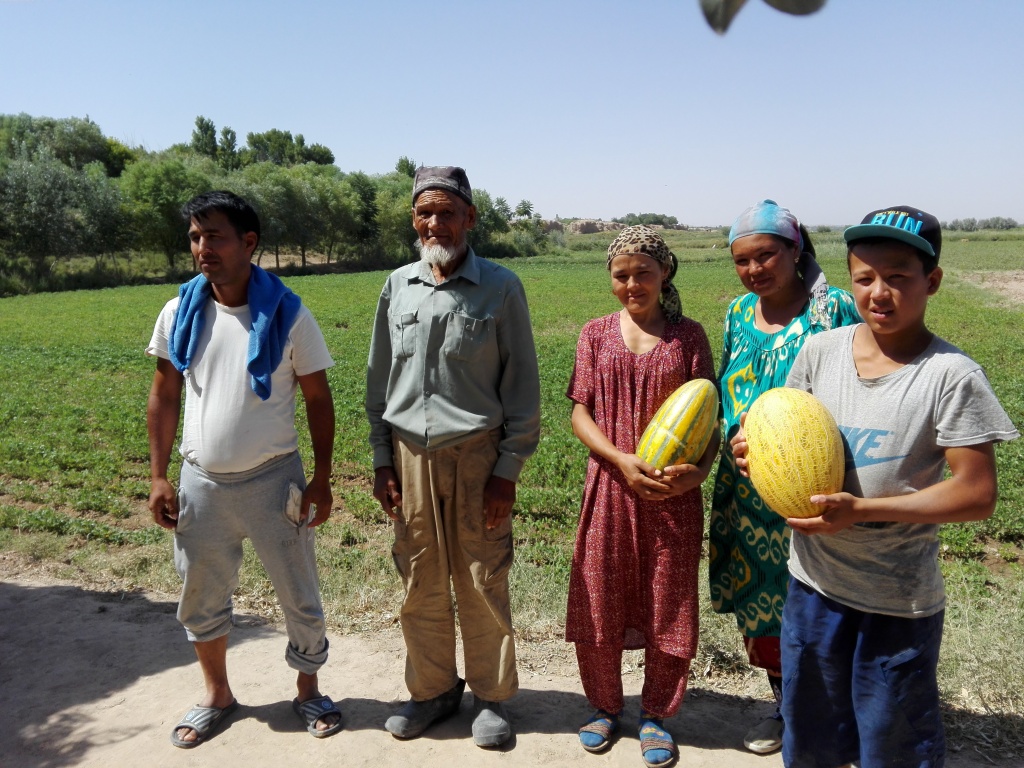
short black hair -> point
(928, 262)
(243, 217)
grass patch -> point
(49, 521)
(979, 668)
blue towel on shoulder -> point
(273, 307)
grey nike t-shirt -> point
(895, 429)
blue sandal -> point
(596, 733)
(656, 744)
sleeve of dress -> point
(703, 364)
(724, 360)
(726, 339)
(581, 383)
(842, 308)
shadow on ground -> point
(65, 646)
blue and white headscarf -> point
(770, 218)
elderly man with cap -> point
(453, 399)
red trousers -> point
(665, 679)
(764, 652)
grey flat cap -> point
(447, 178)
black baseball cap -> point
(900, 222)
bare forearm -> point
(969, 494)
(951, 501)
(316, 393)
(163, 409)
(162, 414)
(586, 429)
(320, 415)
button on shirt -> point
(450, 360)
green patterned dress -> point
(749, 544)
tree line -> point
(661, 219)
(67, 191)
(973, 225)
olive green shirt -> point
(451, 360)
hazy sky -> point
(593, 109)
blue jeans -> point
(858, 686)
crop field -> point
(74, 452)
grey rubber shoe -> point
(491, 726)
(765, 737)
(416, 716)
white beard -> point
(440, 255)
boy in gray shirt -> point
(863, 620)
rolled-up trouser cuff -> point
(211, 634)
(307, 663)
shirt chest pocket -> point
(466, 337)
(403, 335)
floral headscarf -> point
(644, 240)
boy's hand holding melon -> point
(792, 450)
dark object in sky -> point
(720, 13)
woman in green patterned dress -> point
(789, 300)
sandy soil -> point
(89, 677)
(1008, 284)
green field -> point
(74, 452)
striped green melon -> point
(681, 429)
(794, 451)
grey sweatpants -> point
(216, 512)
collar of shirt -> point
(469, 269)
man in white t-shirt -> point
(241, 344)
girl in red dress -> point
(634, 570)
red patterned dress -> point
(634, 569)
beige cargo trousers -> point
(441, 542)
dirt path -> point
(99, 678)
(1009, 284)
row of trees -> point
(74, 141)
(632, 219)
(973, 225)
(273, 146)
(66, 190)
(964, 225)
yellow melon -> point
(795, 451)
(681, 429)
